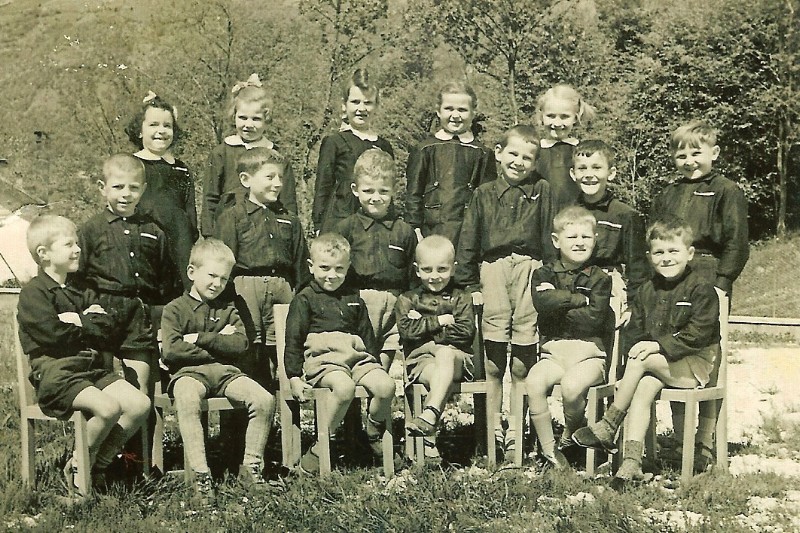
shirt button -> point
(131, 254)
(127, 232)
(136, 274)
(435, 183)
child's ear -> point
(554, 236)
(310, 265)
(497, 150)
(612, 173)
(572, 174)
(101, 185)
(244, 179)
(41, 253)
(354, 189)
(190, 272)
(715, 152)
(691, 253)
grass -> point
(763, 288)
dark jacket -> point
(416, 332)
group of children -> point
(530, 231)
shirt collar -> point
(363, 135)
(367, 221)
(704, 179)
(147, 155)
(503, 186)
(466, 137)
(49, 283)
(236, 140)
(111, 216)
(251, 207)
(601, 203)
(559, 267)
(196, 301)
(549, 143)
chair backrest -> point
(280, 312)
(720, 373)
(27, 395)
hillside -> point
(768, 285)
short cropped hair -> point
(375, 164)
(665, 229)
(329, 243)
(589, 147)
(126, 164)
(45, 229)
(361, 79)
(458, 87)
(521, 131)
(435, 243)
(134, 127)
(692, 135)
(211, 250)
(573, 214)
(252, 160)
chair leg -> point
(689, 428)
(721, 434)
(322, 405)
(592, 414)
(290, 431)
(419, 442)
(408, 414)
(82, 449)
(492, 422)
(158, 440)
(28, 463)
(650, 437)
(387, 447)
(518, 406)
(146, 450)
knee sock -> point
(607, 427)
(705, 435)
(572, 421)
(631, 467)
(544, 430)
(110, 447)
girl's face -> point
(359, 107)
(456, 113)
(157, 130)
(251, 121)
(559, 117)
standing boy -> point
(505, 237)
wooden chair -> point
(322, 398)
(715, 391)
(30, 412)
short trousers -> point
(567, 353)
(260, 293)
(508, 312)
(58, 381)
(380, 307)
(698, 366)
(336, 351)
(140, 342)
(422, 356)
(215, 377)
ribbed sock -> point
(544, 431)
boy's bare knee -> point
(109, 410)
(493, 372)
(344, 391)
(384, 388)
(518, 370)
(263, 404)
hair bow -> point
(149, 98)
(252, 81)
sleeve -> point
(386, 146)
(549, 252)
(288, 194)
(416, 181)
(635, 253)
(169, 275)
(592, 319)
(411, 271)
(549, 301)
(414, 330)
(468, 255)
(366, 332)
(225, 348)
(212, 190)
(85, 243)
(225, 230)
(175, 352)
(701, 329)
(489, 170)
(736, 247)
(326, 180)
(191, 207)
(297, 322)
(462, 332)
(636, 329)
(302, 276)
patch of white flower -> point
(673, 520)
(755, 464)
(764, 513)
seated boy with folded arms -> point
(436, 326)
(203, 340)
(330, 343)
(674, 338)
(571, 297)
(62, 330)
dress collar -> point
(549, 143)
(466, 137)
(363, 135)
(236, 140)
(147, 155)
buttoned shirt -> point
(186, 314)
(414, 332)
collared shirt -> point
(431, 305)
(266, 241)
(333, 198)
(186, 314)
(381, 251)
(313, 310)
(41, 332)
(716, 209)
(553, 164)
(549, 143)
(441, 176)
(363, 135)
(466, 137)
(681, 315)
(127, 256)
(222, 187)
(620, 240)
(504, 219)
(578, 307)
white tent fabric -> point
(15, 259)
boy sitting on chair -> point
(674, 338)
(203, 340)
(61, 331)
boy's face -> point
(250, 121)
(575, 242)
(63, 254)
(157, 130)
(329, 270)
(517, 158)
(358, 108)
(670, 256)
(435, 268)
(456, 113)
(559, 117)
(265, 184)
(374, 195)
(592, 174)
(694, 162)
(122, 191)
(209, 279)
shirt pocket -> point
(432, 202)
(149, 243)
(398, 255)
(681, 314)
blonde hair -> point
(44, 230)
(573, 214)
(211, 249)
(458, 87)
(693, 134)
(360, 79)
(375, 164)
(252, 160)
(666, 229)
(329, 243)
(248, 92)
(125, 164)
(583, 111)
(435, 244)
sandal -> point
(309, 462)
(419, 427)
